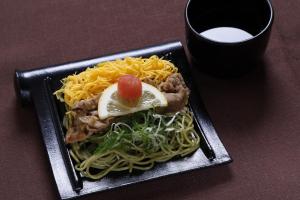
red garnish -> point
(129, 88)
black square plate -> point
(36, 87)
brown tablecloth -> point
(257, 116)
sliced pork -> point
(175, 91)
(85, 121)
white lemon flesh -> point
(109, 104)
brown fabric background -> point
(257, 116)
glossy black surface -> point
(222, 58)
(36, 87)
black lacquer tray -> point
(36, 87)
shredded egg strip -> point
(94, 80)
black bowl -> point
(250, 19)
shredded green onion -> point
(136, 141)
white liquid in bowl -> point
(226, 34)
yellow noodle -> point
(182, 142)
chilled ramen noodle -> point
(134, 141)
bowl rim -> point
(268, 26)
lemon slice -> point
(110, 106)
